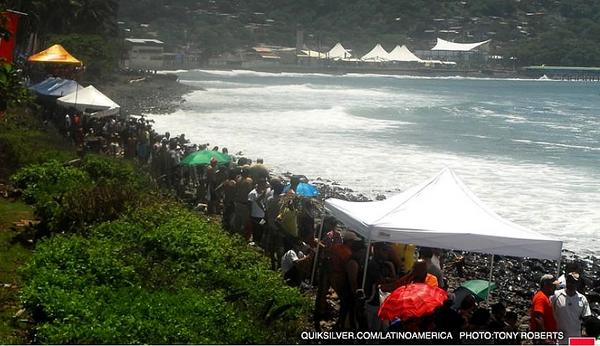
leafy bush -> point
(114, 170)
(48, 180)
(12, 90)
(44, 186)
(71, 199)
(159, 275)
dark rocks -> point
(154, 93)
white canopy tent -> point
(90, 100)
(338, 52)
(402, 53)
(443, 213)
(454, 46)
(376, 54)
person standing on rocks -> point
(229, 200)
(242, 206)
(273, 243)
(211, 185)
(570, 308)
(541, 314)
(258, 198)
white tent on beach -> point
(402, 53)
(454, 46)
(377, 54)
(338, 52)
(442, 213)
(90, 100)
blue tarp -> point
(55, 87)
(43, 84)
(304, 189)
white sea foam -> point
(171, 71)
(382, 137)
(237, 73)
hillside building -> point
(143, 54)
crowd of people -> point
(271, 216)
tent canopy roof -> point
(89, 99)
(462, 47)
(442, 213)
(376, 54)
(56, 87)
(338, 52)
(55, 54)
(403, 54)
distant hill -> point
(551, 32)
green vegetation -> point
(71, 199)
(91, 17)
(12, 256)
(24, 139)
(158, 274)
(86, 28)
(12, 92)
(535, 31)
(98, 54)
(116, 262)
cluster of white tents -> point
(71, 94)
(398, 54)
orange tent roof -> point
(54, 54)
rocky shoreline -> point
(146, 93)
(516, 278)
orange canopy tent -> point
(55, 54)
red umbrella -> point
(412, 300)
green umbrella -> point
(203, 157)
(479, 287)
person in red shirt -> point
(542, 316)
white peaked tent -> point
(338, 52)
(454, 46)
(403, 54)
(91, 100)
(376, 54)
(443, 213)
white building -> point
(143, 54)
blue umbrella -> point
(304, 189)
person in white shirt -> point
(258, 198)
(570, 307)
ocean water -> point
(528, 149)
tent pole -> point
(364, 278)
(490, 280)
(314, 268)
(558, 267)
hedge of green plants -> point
(150, 272)
(72, 198)
(24, 139)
